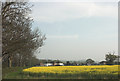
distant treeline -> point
(110, 59)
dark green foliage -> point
(110, 58)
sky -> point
(76, 30)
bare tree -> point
(18, 38)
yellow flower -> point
(100, 69)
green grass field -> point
(17, 73)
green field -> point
(62, 72)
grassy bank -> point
(12, 73)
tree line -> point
(19, 41)
(110, 59)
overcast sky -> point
(77, 30)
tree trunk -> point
(24, 65)
(20, 61)
(10, 61)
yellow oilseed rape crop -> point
(96, 70)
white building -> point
(61, 64)
(48, 64)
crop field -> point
(74, 72)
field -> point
(74, 72)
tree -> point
(110, 58)
(68, 63)
(74, 63)
(90, 61)
(18, 40)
